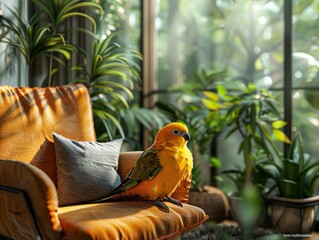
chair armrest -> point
(126, 161)
(28, 202)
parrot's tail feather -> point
(104, 199)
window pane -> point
(243, 37)
(123, 16)
(306, 73)
(13, 66)
(306, 119)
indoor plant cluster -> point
(288, 183)
(296, 181)
(254, 114)
(54, 42)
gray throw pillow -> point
(86, 171)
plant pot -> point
(212, 200)
(236, 211)
(234, 202)
(290, 215)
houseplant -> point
(44, 33)
(296, 180)
(109, 70)
(254, 116)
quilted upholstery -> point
(28, 117)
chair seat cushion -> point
(128, 220)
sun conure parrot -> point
(159, 170)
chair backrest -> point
(28, 116)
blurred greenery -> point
(253, 114)
(295, 176)
(246, 39)
(111, 71)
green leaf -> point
(278, 124)
(215, 162)
(274, 171)
(211, 95)
(222, 91)
(265, 132)
(288, 188)
(212, 105)
(291, 170)
(281, 136)
(251, 86)
(253, 117)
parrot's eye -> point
(176, 132)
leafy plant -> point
(33, 42)
(55, 13)
(44, 34)
(253, 114)
(110, 71)
(190, 109)
(110, 79)
(295, 176)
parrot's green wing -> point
(146, 167)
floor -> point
(313, 236)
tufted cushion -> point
(86, 170)
(128, 220)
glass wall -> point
(305, 73)
(243, 37)
(246, 38)
(12, 67)
(122, 16)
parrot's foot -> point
(174, 201)
(160, 205)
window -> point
(12, 64)
(250, 39)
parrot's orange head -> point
(173, 134)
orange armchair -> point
(29, 206)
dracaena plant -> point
(254, 114)
(44, 34)
(32, 41)
(295, 176)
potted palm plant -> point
(296, 180)
(253, 114)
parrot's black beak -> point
(186, 136)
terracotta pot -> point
(290, 215)
(212, 200)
